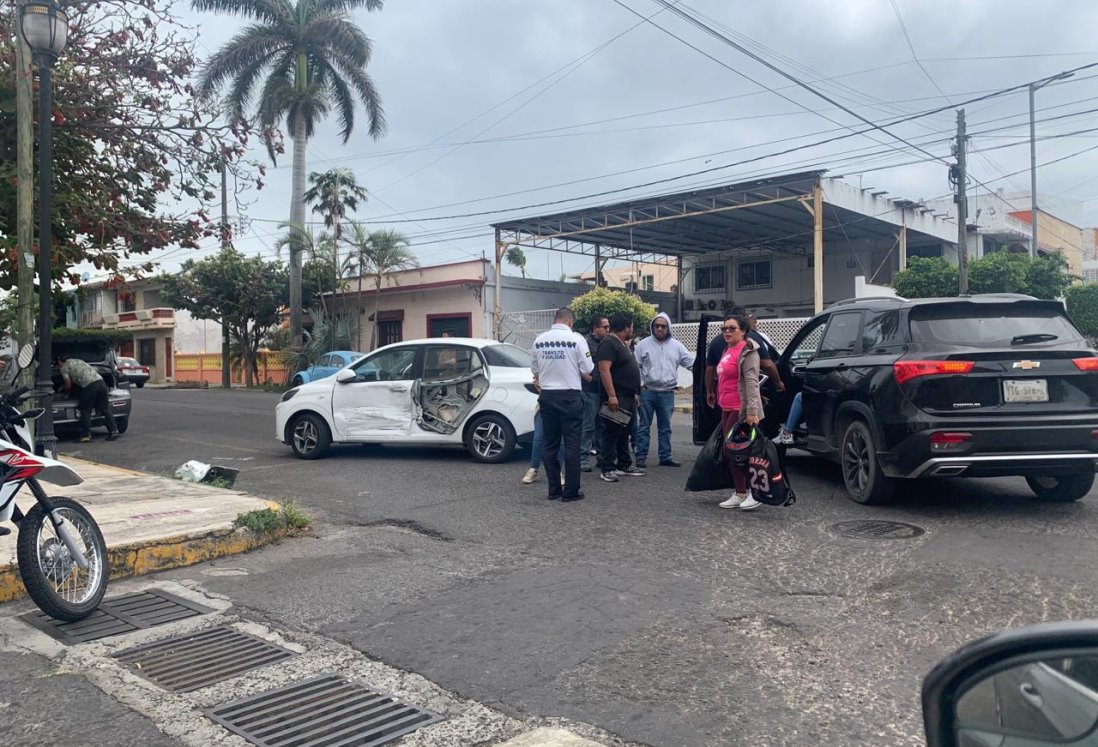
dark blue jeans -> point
(656, 406)
(591, 436)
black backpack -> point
(766, 477)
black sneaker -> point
(632, 471)
(669, 463)
(609, 476)
(577, 497)
(642, 463)
(112, 436)
(585, 468)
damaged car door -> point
(376, 405)
(454, 381)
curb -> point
(141, 558)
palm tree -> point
(322, 247)
(517, 258)
(334, 193)
(379, 254)
(311, 58)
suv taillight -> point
(945, 440)
(1086, 364)
(905, 371)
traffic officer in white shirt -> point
(562, 361)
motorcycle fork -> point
(60, 526)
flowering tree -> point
(136, 154)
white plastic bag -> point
(192, 471)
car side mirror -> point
(346, 376)
(1035, 686)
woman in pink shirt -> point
(738, 397)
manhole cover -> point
(871, 529)
(119, 615)
(327, 710)
(195, 661)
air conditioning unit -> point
(688, 304)
(711, 304)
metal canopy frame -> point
(783, 213)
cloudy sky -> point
(495, 105)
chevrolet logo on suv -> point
(1026, 365)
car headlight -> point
(287, 396)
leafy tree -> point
(320, 273)
(927, 278)
(1082, 307)
(246, 293)
(135, 151)
(312, 58)
(610, 302)
(1000, 272)
(517, 258)
(1048, 276)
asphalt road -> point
(643, 610)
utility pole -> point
(1033, 88)
(961, 198)
(226, 242)
(24, 165)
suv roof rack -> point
(874, 299)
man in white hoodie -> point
(659, 357)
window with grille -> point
(389, 332)
(753, 275)
(709, 278)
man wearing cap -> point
(561, 363)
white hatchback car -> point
(445, 391)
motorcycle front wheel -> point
(54, 580)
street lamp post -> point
(45, 28)
(1033, 88)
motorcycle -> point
(60, 551)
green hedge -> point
(113, 336)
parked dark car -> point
(96, 351)
(982, 386)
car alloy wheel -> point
(310, 437)
(490, 438)
(865, 483)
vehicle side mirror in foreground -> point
(346, 375)
(1029, 687)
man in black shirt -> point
(621, 384)
(592, 396)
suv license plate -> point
(1025, 390)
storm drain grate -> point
(191, 662)
(876, 529)
(328, 710)
(125, 614)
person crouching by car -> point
(737, 393)
(93, 394)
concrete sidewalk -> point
(149, 522)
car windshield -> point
(991, 325)
(128, 362)
(507, 356)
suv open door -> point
(706, 418)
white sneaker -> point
(735, 501)
(784, 437)
(530, 476)
(749, 503)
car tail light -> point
(905, 371)
(1086, 364)
(946, 440)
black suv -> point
(982, 386)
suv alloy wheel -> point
(862, 474)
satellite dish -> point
(85, 277)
